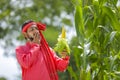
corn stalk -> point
(97, 27)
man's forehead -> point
(33, 26)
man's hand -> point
(36, 38)
(63, 54)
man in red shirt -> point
(37, 60)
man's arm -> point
(61, 63)
(26, 58)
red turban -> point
(38, 24)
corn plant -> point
(97, 55)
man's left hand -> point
(63, 54)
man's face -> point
(33, 33)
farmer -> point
(37, 60)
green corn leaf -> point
(79, 24)
(112, 17)
(73, 74)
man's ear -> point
(25, 35)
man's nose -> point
(35, 32)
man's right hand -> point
(36, 38)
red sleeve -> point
(61, 63)
(26, 57)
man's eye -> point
(32, 29)
(36, 28)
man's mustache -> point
(31, 38)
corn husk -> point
(62, 44)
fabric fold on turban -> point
(40, 26)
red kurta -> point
(37, 64)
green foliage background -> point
(13, 13)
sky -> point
(8, 67)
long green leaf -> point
(112, 17)
(72, 73)
(79, 24)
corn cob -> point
(62, 44)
